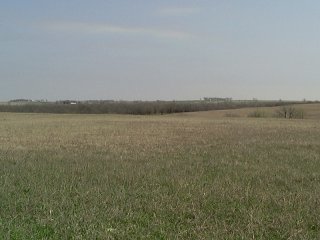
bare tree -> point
(289, 112)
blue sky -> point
(151, 50)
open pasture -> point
(183, 176)
(311, 111)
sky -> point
(159, 49)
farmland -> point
(180, 176)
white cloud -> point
(179, 11)
(93, 28)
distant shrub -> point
(257, 114)
(289, 112)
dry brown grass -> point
(312, 111)
(184, 176)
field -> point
(180, 176)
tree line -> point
(136, 107)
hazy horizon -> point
(153, 100)
(166, 50)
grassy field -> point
(181, 176)
(312, 111)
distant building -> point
(72, 102)
(20, 100)
(215, 99)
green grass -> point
(158, 177)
